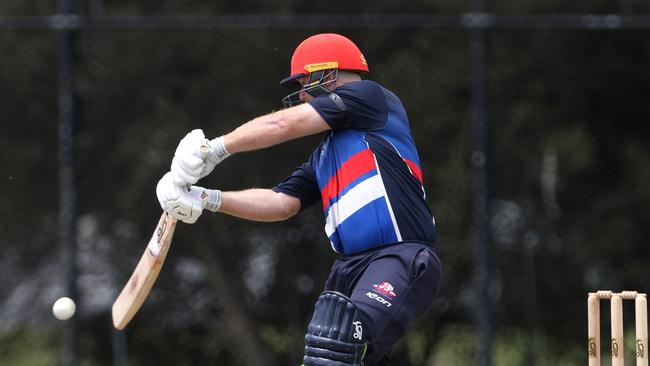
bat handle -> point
(205, 149)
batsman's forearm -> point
(259, 205)
(275, 128)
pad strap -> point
(335, 335)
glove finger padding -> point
(188, 163)
(186, 208)
(191, 203)
(186, 168)
(167, 191)
(191, 142)
(181, 176)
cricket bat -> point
(139, 285)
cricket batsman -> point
(366, 173)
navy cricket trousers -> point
(391, 286)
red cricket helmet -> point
(325, 51)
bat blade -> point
(146, 271)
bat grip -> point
(204, 149)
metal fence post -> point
(480, 193)
(67, 188)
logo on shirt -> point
(385, 288)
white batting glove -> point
(187, 163)
(189, 206)
(196, 157)
(216, 155)
(167, 190)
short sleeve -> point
(302, 185)
(359, 105)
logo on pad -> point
(385, 288)
(358, 330)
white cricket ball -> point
(63, 308)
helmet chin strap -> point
(320, 83)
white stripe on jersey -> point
(353, 200)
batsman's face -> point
(304, 96)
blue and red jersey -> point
(366, 172)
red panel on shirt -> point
(415, 169)
(356, 166)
